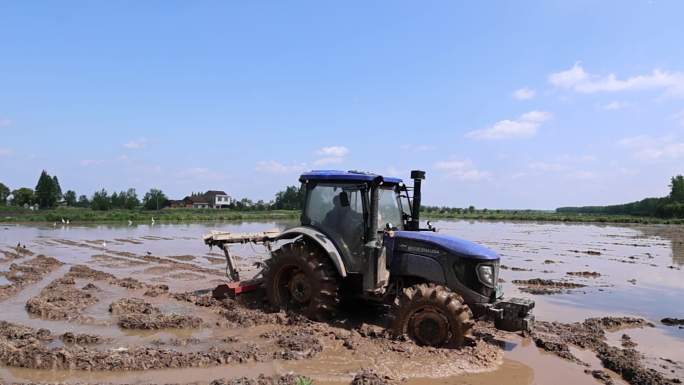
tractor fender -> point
(415, 265)
(320, 239)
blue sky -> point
(504, 104)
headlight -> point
(486, 274)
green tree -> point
(131, 199)
(57, 189)
(70, 198)
(83, 201)
(4, 193)
(46, 191)
(116, 200)
(471, 209)
(100, 200)
(154, 200)
(292, 198)
(677, 189)
(23, 196)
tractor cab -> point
(338, 204)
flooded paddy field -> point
(128, 304)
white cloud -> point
(524, 127)
(647, 148)
(524, 93)
(4, 122)
(462, 170)
(273, 167)
(614, 105)
(333, 151)
(91, 162)
(136, 144)
(5, 152)
(331, 155)
(577, 79)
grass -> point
(76, 215)
(548, 216)
(303, 381)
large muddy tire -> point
(302, 278)
(432, 315)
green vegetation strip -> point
(544, 216)
(73, 214)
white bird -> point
(63, 220)
(130, 222)
(152, 220)
(54, 224)
(67, 222)
(104, 244)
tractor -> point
(360, 237)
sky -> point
(526, 104)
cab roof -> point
(345, 176)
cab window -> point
(389, 211)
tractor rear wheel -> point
(432, 315)
(301, 277)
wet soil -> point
(557, 338)
(545, 286)
(25, 273)
(673, 321)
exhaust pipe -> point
(417, 176)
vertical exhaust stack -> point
(417, 176)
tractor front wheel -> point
(301, 277)
(432, 315)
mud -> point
(585, 274)
(673, 322)
(288, 379)
(590, 334)
(545, 286)
(60, 300)
(298, 345)
(135, 313)
(26, 273)
(26, 348)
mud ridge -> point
(26, 273)
(557, 337)
(24, 347)
(585, 274)
(135, 313)
(545, 286)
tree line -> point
(670, 206)
(48, 194)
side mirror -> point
(344, 199)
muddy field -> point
(126, 305)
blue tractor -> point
(360, 237)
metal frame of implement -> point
(224, 240)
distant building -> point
(218, 199)
(214, 199)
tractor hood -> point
(461, 247)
